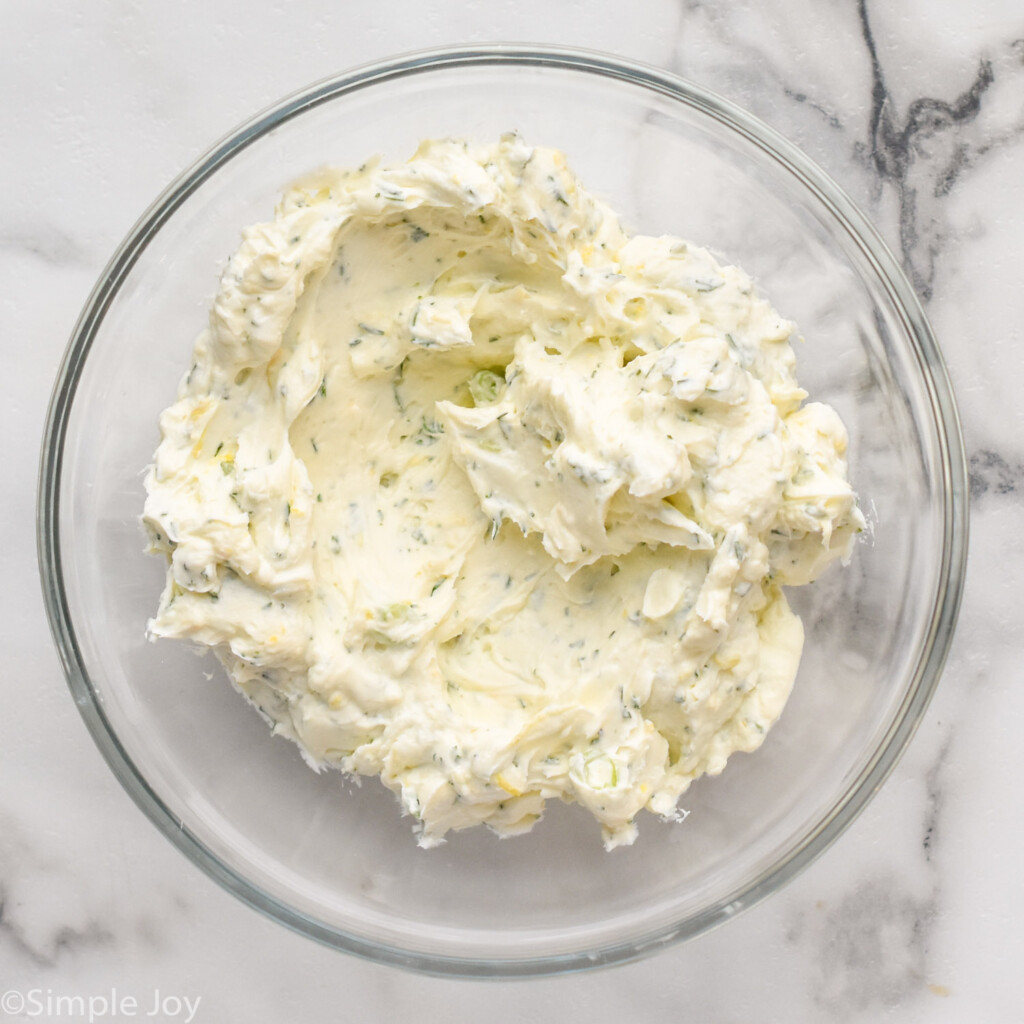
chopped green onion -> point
(485, 386)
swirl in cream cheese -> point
(472, 491)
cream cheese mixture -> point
(471, 490)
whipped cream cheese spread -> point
(473, 491)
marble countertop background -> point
(916, 107)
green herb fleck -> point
(429, 432)
(396, 381)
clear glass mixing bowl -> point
(336, 861)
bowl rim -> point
(942, 405)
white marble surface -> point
(917, 108)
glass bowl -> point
(336, 861)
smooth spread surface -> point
(473, 491)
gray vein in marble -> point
(831, 118)
(44, 242)
(63, 941)
(58, 905)
(923, 156)
(935, 802)
(871, 952)
(19, 855)
(751, 68)
(990, 472)
(917, 154)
